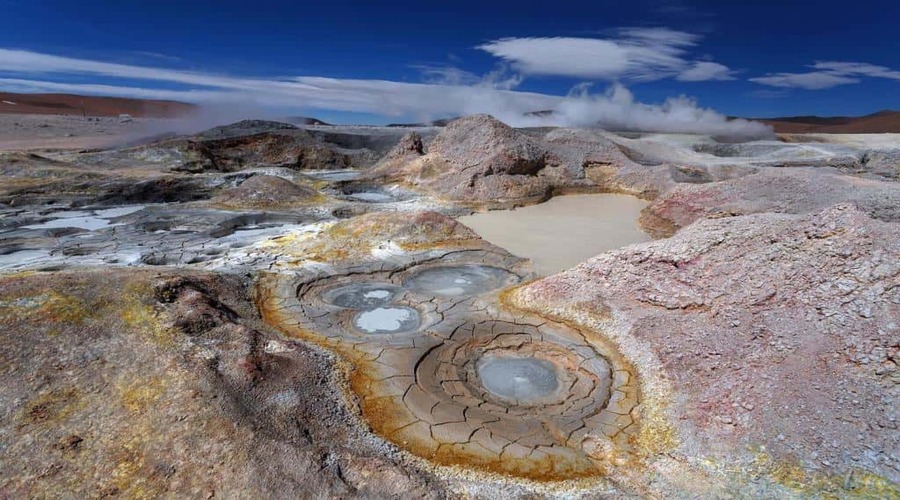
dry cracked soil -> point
(272, 310)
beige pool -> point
(564, 231)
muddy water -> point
(564, 231)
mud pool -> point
(564, 231)
(521, 379)
(443, 370)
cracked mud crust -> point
(422, 390)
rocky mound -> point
(259, 144)
(374, 237)
(265, 191)
(478, 159)
(245, 127)
(765, 338)
(296, 150)
(788, 190)
(31, 179)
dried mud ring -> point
(363, 309)
(517, 399)
(468, 385)
(449, 281)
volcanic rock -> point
(481, 160)
(762, 341)
(265, 191)
(374, 237)
(789, 190)
(230, 154)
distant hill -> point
(68, 104)
(881, 122)
(436, 123)
(305, 120)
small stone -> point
(276, 347)
(70, 442)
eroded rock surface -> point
(795, 190)
(143, 384)
(481, 160)
(772, 340)
(266, 191)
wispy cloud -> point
(856, 68)
(815, 80)
(770, 93)
(157, 55)
(703, 71)
(450, 93)
(501, 78)
(827, 74)
(638, 54)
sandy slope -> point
(67, 104)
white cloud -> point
(704, 71)
(464, 95)
(640, 54)
(446, 75)
(816, 80)
(23, 61)
(828, 74)
(37, 86)
(855, 68)
(500, 78)
(158, 55)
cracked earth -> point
(264, 310)
(423, 389)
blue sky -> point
(375, 62)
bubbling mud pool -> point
(447, 372)
(387, 320)
(520, 379)
(564, 231)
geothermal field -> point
(273, 309)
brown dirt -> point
(68, 104)
(877, 123)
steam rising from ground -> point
(230, 98)
(616, 109)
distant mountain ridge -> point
(83, 105)
(887, 121)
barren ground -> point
(266, 310)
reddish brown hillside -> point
(67, 104)
(881, 122)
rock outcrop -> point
(785, 190)
(771, 339)
(266, 192)
(296, 151)
(481, 160)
